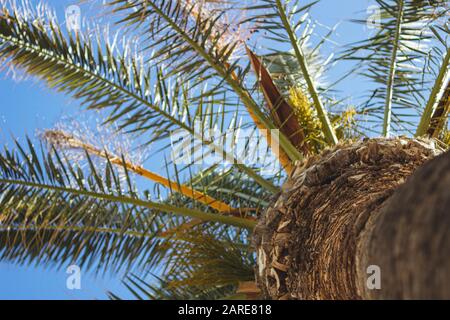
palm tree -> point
(302, 231)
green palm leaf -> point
(439, 93)
(191, 40)
(104, 78)
(45, 202)
(395, 59)
(200, 267)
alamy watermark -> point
(375, 14)
(374, 17)
(73, 281)
(73, 18)
(234, 146)
(374, 279)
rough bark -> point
(410, 238)
(332, 221)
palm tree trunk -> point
(332, 224)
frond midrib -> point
(229, 220)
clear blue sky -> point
(27, 106)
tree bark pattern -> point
(409, 239)
(312, 242)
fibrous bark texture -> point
(410, 238)
(320, 237)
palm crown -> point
(196, 71)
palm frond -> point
(28, 175)
(43, 222)
(395, 59)
(231, 187)
(200, 267)
(63, 140)
(196, 49)
(159, 289)
(393, 69)
(90, 71)
(279, 108)
(53, 213)
(283, 20)
(286, 71)
(102, 78)
(440, 116)
(432, 120)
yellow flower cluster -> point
(307, 118)
(309, 121)
(446, 138)
(344, 123)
